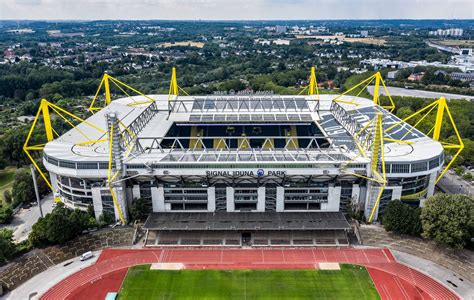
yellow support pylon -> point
(442, 106)
(105, 82)
(111, 176)
(173, 83)
(377, 162)
(174, 87)
(312, 87)
(44, 111)
(376, 79)
(313, 83)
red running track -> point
(392, 279)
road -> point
(25, 218)
(396, 91)
(38, 285)
(452, 184)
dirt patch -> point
(369, 41)
(185, 43)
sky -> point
(235, 9)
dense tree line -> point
(446, 219)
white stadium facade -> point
(243, 168)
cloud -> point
(236, 9)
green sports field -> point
(351, 282)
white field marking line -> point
(245, 286)
(358, 283)
(345, 256)
(405, 295)
(128, 269)
(154, 254)
(160, 259)
(366, 258)
(383, 251)
(384, 289)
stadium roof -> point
(242, 109)
(247, 221)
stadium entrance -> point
(246, 238)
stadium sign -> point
(259, 173)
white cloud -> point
(236, 9)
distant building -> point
(364, 33)
(280, 29)
(281, 42)
(416, 76)
(447, 32)
(392, 74)
(462, 76)
(262, 42)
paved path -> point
(460, 262)
(461, 286)
(26, 218)
(453, 184)
(396, 91)
(395, 280)
(42, 282)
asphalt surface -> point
(396, 91)
(38, 285)
(26, 218)
(462, 286)
(452, 184)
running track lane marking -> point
(402, 289)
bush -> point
(7, 196)
(7, 247)
(138, 211)
(467, 176)
(6, 215)
(106, 218)
(402, 218)
(448, 219)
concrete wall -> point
(158, 199)
(211, 199)
(97, 202)
(334, 199)
(261, 199)
(280, 199)
(230, 199)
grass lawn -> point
(351, 282)
(6, 180)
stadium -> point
(257, 183)
(243, 168)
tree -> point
(106, 218)
(60, 226)
(448, 219)
(138, 210)
(7, 247)
(6, 215)
(402, 218)
(7, 196)
(37, 236)
(22, 189)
